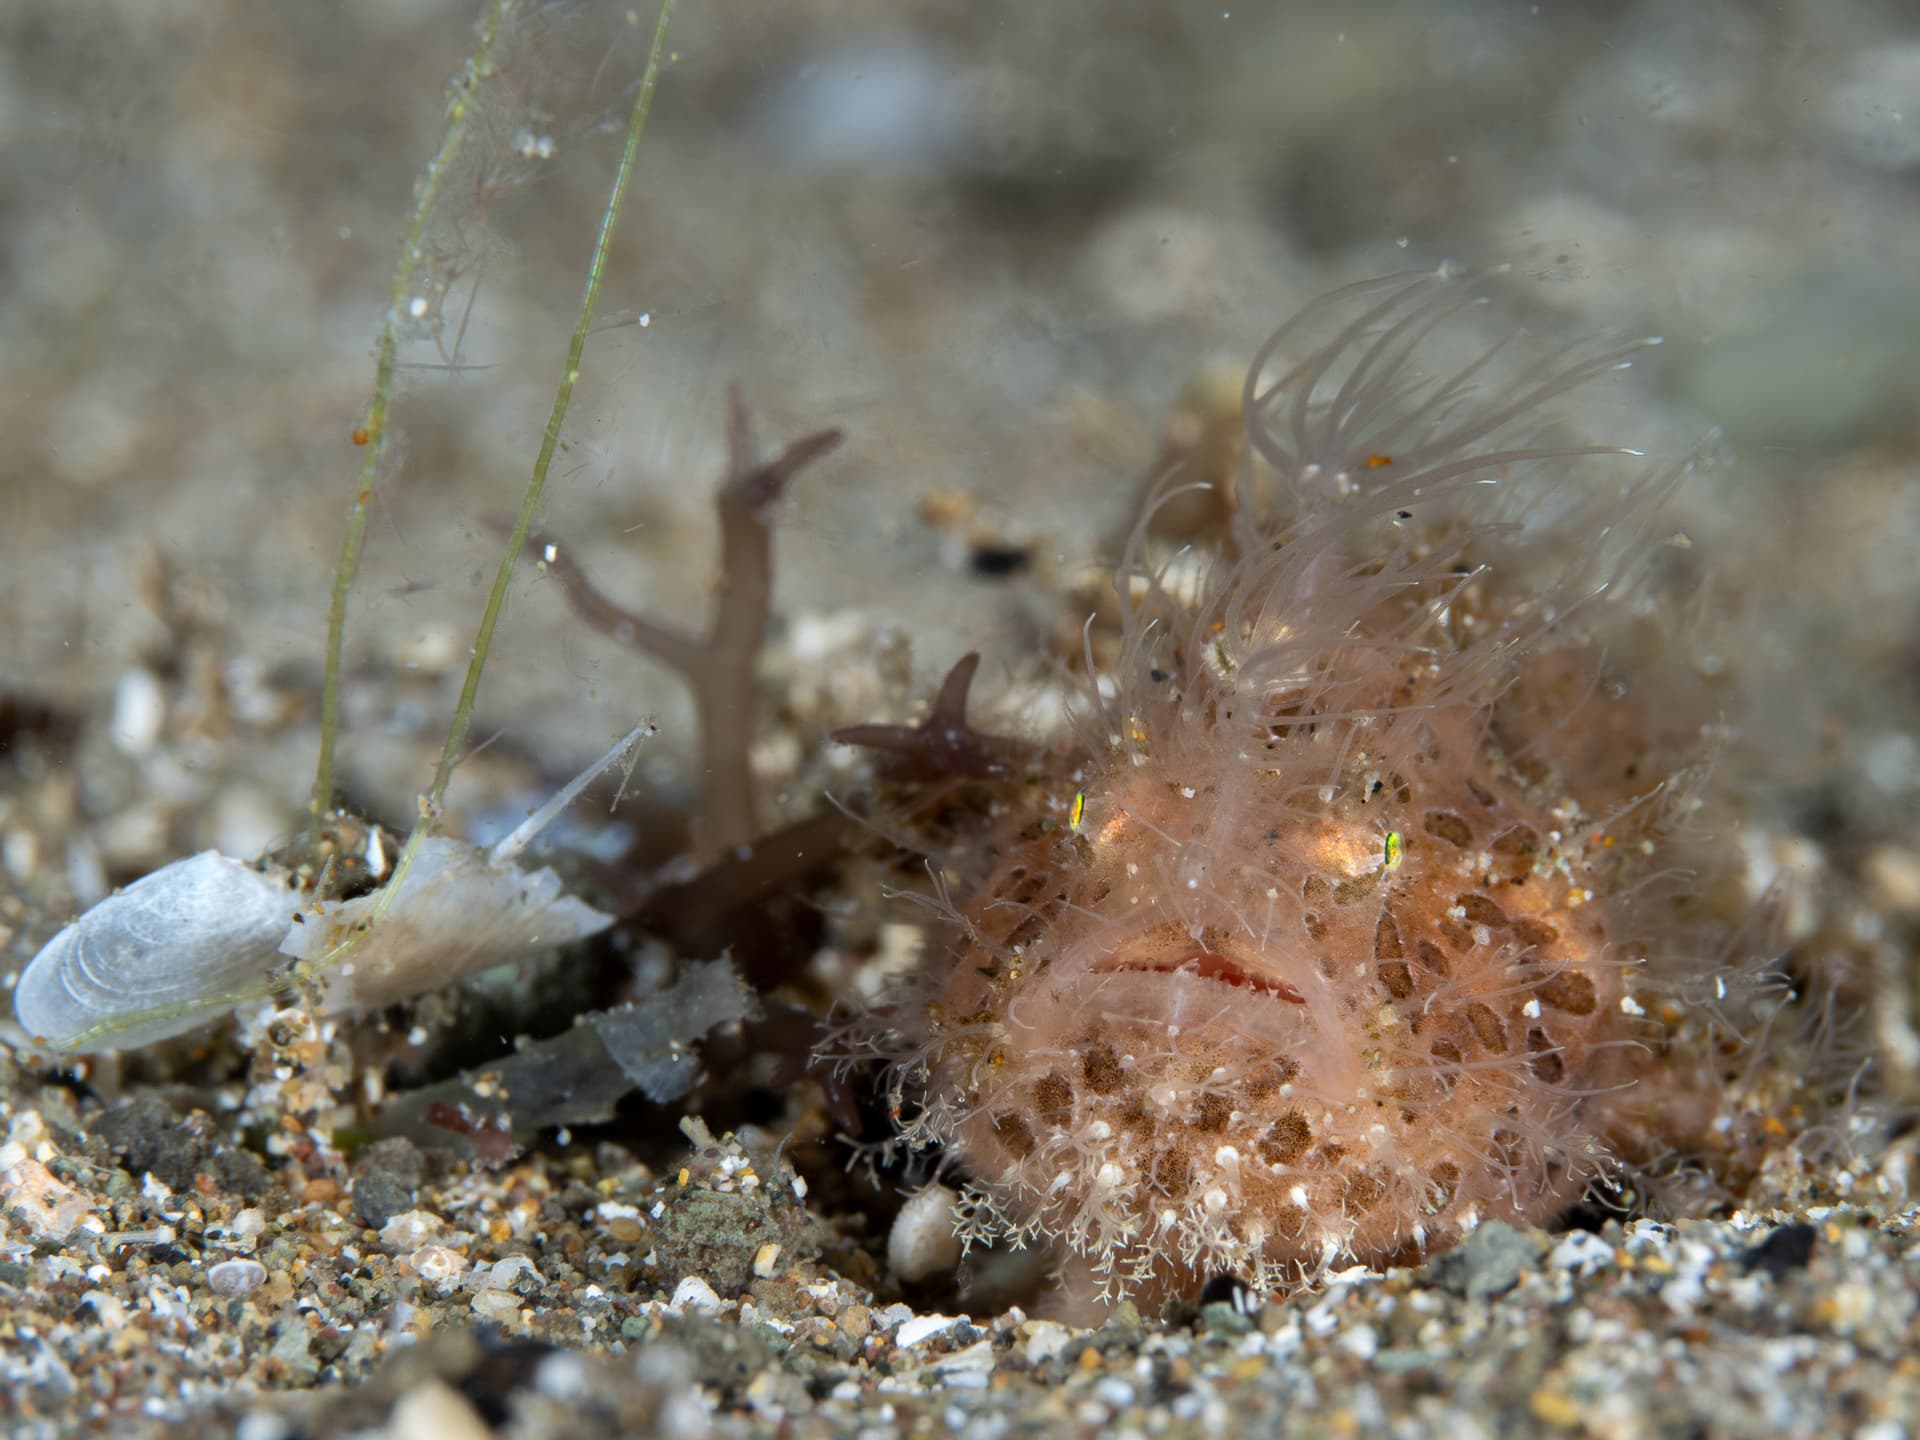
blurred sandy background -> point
(991, 241)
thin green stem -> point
(563, 397)
(373, 431)
(429, 806)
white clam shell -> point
(152, 960)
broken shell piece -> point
(150, 961)
(579, 1076)
(457, 912)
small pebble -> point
(1225, 1318)
(293, 1349)
(1045, 1339)
(379, 1198)
(977, 1358)
(236, 1277)
(435, 1411)
(922, 1243)
(410, 1229)
(321, 1191)
(506, 1271)
(438, 1266)
(1787, 1249)
(923, 1328)
(1892, 875)
(1580, 1250)
(622, 1221)
(1489, 1263)
(495, 1305)
(108, 1310)
(696, 1295)
(139, 711)
(49, 1207)
(1115, 1391)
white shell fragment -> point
(150, 961)
(457, 913)
(459, 910)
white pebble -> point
(1361, 1341)
(1580, 1250)
(506, 1271)
(495, 1305)
(922, 1242)
(410, 1229)
(1115, 1391)
(694, 1294)
(1046, 1339)
(434, 1410)
(50, 1208)
(923, 1328)
(139, 710)
(968, 1369)
(236, 1277)
(20, 852)
(108, 1310)
(563, 1375)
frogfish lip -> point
(1200, 959)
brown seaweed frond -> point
(943, 746)
(718, 665)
